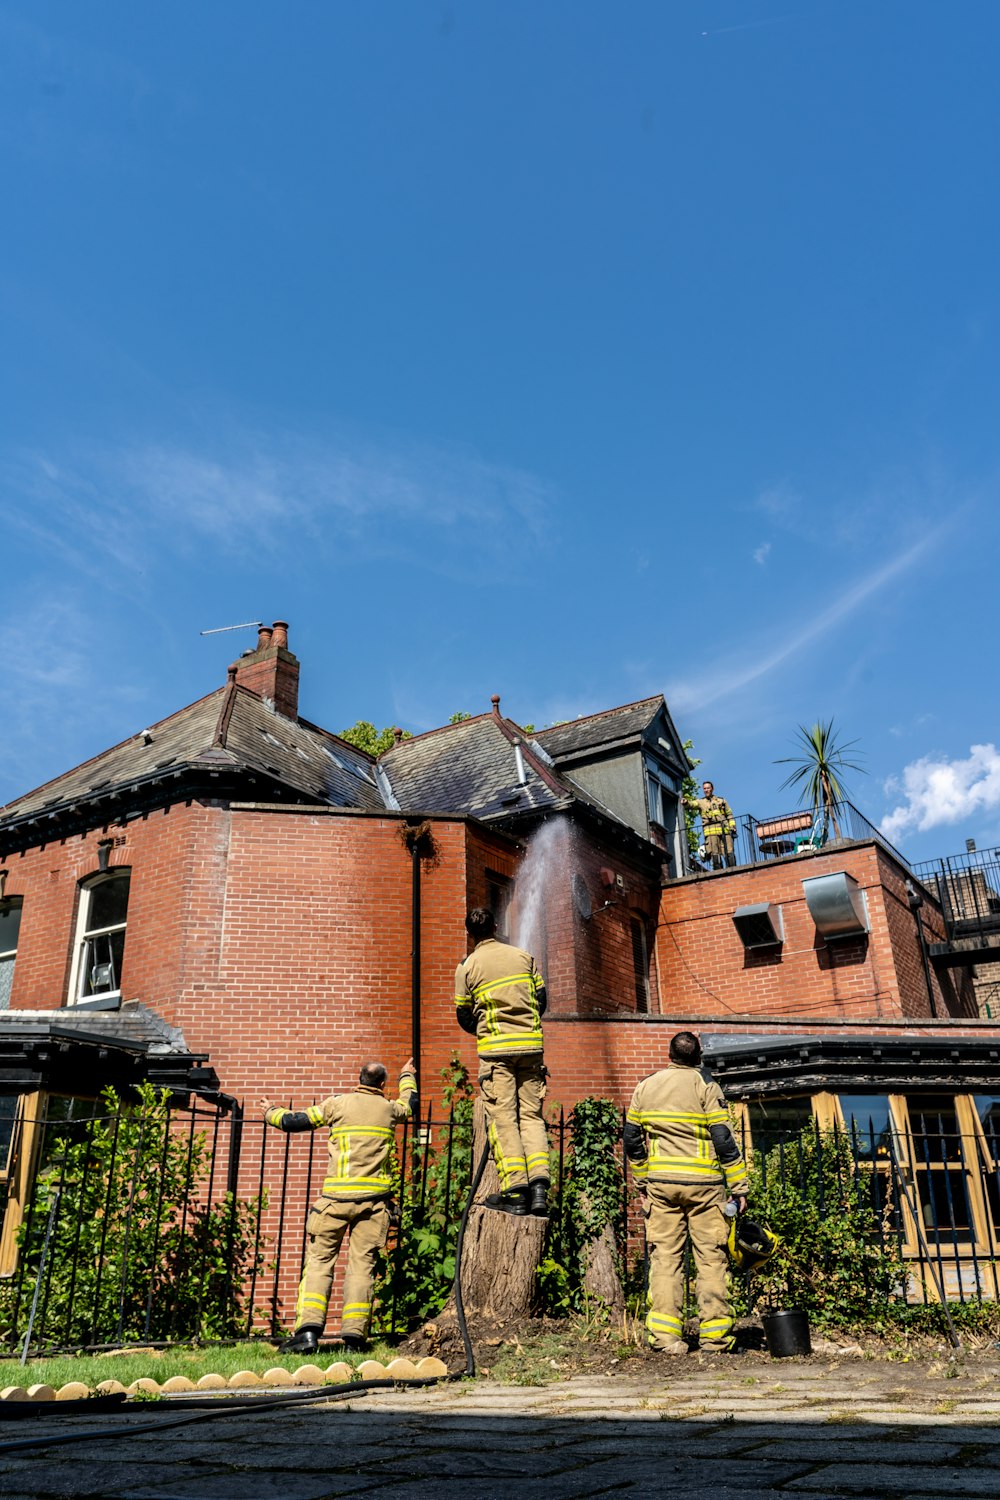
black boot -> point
(539, 1204)
(353, 1341)
(513, 1201)
(302, 1341)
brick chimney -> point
(271, 671)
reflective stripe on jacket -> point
(677, 1111)
(362, 1125)
(716, 814)
(500, 983)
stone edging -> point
(337, 1374)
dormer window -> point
(100, 938)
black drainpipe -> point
(915, 901)
(415, 955)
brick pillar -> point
(271, 671)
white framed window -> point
(99, 947)
(10, 925)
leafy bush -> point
(591, 1201)
(839, 1257)
(136, 1248)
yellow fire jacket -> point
(362, 1125)
(677, 1130)
(716, 814)
(500, 992)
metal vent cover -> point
(759, 926)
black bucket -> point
(787, 1333)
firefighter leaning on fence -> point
(500, 999)
(717, 826)
(687, 1164)
(354, 1200)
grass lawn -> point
(161, 1364)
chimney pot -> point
(279, 635)
(263, 637)
(231, 673)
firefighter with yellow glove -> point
(717, 826)
(354, 1200)
(500, 999)
(687, 1165)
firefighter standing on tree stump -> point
(717, 826)
(355, 1199)
(500, 999)
(687, 1164)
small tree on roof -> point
(819, 769)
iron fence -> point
(968, 890)
(803, 831)
(193, 1227)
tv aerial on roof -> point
(218, 629)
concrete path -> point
(799, 1429)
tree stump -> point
(600, 1273)
(501, 1252)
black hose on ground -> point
(463, 1327)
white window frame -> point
(11, 953)
(85, 934)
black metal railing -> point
(194, 1227)
(802, 831)
(968, 889)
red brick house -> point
(237, 901)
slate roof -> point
(470, 768)
(232, 729)
(609, 727)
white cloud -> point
(944, 791)
(276, 491)
(760, 554)
(724, 678)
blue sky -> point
(570, 351)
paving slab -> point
(884, 1479)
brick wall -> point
(704, 966)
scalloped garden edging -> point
(276, 1378)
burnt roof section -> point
(471, 767)
(609, 727)
(231, 738)
(759, 1066)
(127, 1046)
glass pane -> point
(868, 1122)
(10, 923)
(777, 1120)
(944, 1201)
(934, 1127)
(8, 1114)
(988, 1110)
(101, 964)
(6, 982)
(108, 903)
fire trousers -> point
(329, 1221)
(513, 1090)
(672, 1212)
(719, 848)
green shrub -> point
(136, 1249)
(839, 1258)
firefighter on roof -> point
(500, 999)
(354, 1200)
(687, 1165)
(717, 826)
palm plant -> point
(818, 769)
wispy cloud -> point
(940, 791)
(761, 553)
(146, 499)
(721, 680)
(54, 687)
